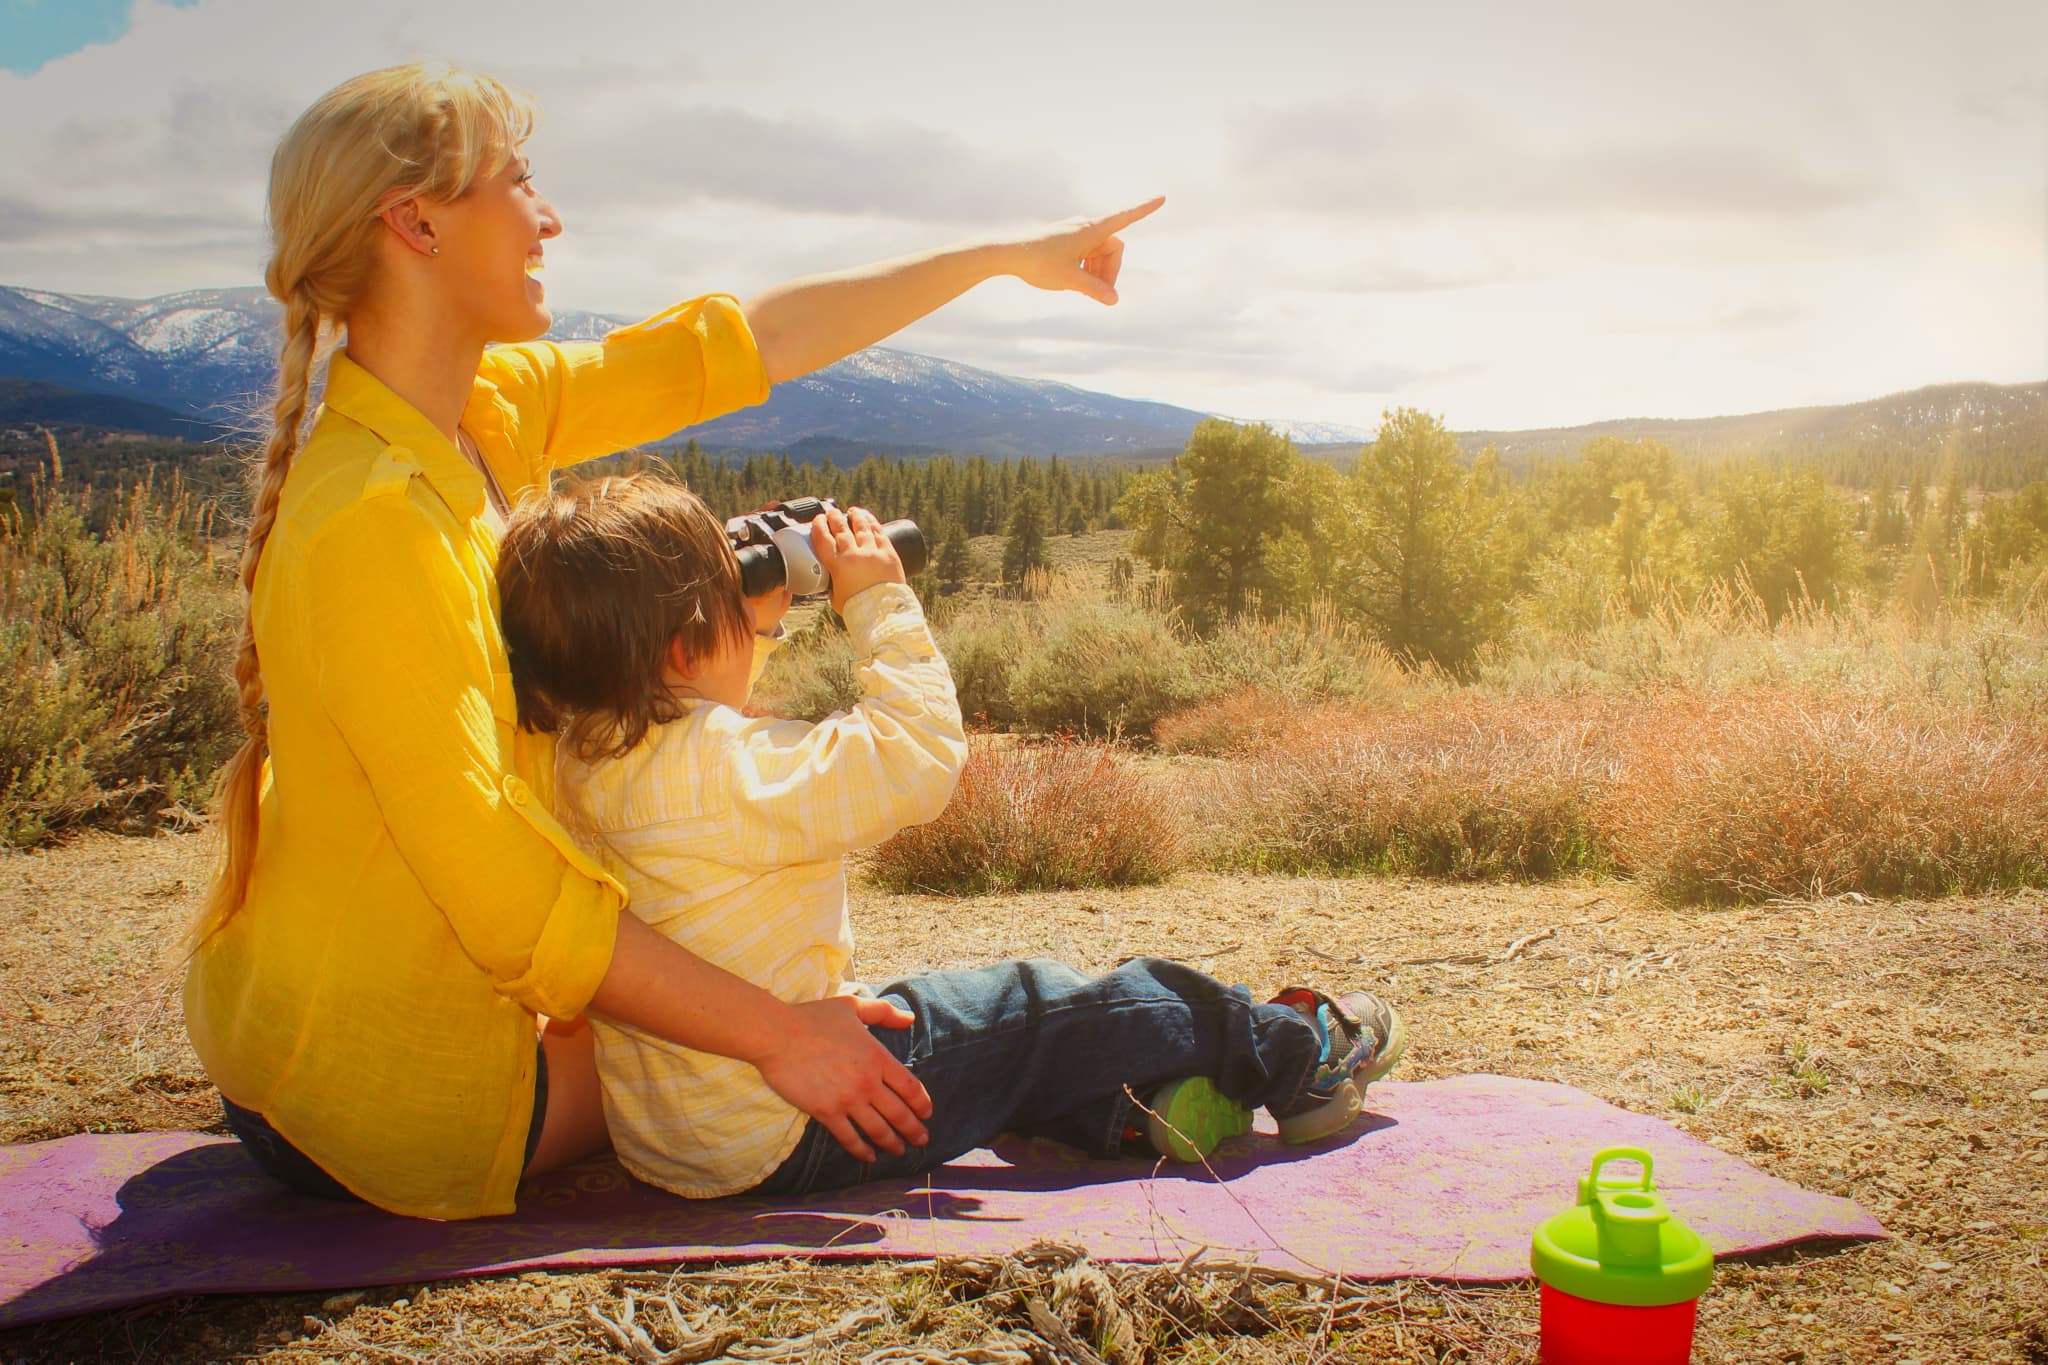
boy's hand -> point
(854, 552)
(765, 612)
(832, 1068)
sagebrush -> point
(1463, 788)
(1039, 817)
(116, 700)
(1777, 792)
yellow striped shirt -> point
(729, 833)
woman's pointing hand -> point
(1081, 254)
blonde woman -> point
(397, 910)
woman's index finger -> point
(1117, 222)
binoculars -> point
(774, 547)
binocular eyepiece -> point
(774, 547)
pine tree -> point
(1432, 582)
(975, 502)
(954, 559)
(1888, 525)
(1024, 541)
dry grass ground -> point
(1886, 1051)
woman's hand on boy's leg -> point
(833, 1069)
(854, 552)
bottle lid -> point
(1620, 1243)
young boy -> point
(628, 634)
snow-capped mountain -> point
(206, 353)
(884, 397)
(209, 354)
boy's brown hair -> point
(595, 579)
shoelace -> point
(1323, 1027)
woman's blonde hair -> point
(408, 131)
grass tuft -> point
(1038, 817)
(1779, 793)
(1466, 789)
(116, 644)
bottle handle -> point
(1590, 1184)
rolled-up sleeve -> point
(797, 793)
(409, 689)
(585, 399)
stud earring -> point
(434, 251)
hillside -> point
(30, 403)
(1937, 413)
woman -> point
(397, 910)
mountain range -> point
(199, 362)
(208, 355)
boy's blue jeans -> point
(1036, 1048)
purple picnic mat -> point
(1445, 1179)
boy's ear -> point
(680, 660)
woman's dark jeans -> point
(299, 1171)
(1036, 1048)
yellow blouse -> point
(413, 902)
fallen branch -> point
(1456, 959)
(1515, 948)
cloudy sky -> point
(1509, 214)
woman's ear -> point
(404, 219)
(679, 660)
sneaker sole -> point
(1334, 1115)
(1189, 1123)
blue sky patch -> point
(33, 32)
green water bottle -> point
(1621, 1278)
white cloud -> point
(1508, 214)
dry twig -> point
(1515, 948)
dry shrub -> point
(1784, 793)
(1103, 668)
(117, 630)
(982, 642)
(1030, 817)
(1988, 657)
(1465, 788)
(1250, 720)
(811, 676)
(1314, 655)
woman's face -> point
(490, 241)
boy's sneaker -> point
(1190, 1116)
(1362, 1039)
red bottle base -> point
(1577, 1331)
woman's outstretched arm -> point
(808, 323)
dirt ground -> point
(1895, 1053)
